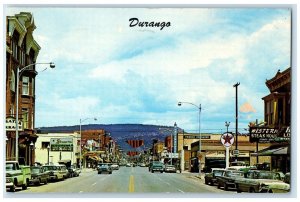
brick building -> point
(21, 50)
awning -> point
(273, 151)
(95, 158)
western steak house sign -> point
(263, 134)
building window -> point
(25, 85)
(15, 49)
(32, 87)
(12, 110)
(12, 81)
(25, 117)
(32, 121)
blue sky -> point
(122, 74)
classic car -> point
(104, 168)
(261, 182)
(63, 170)
(156, 166)
(211, 178)
(170, 168)
(38, 175)
(74, 171)
(227, 179)
(287, 178)
(54, 172)
(115, 166)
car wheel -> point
(161, 171)
(110, 172)
(251, 190)
(219, 186)
(99, 172)
(24, 186)
(225, 187)
(39, 182)
(152, 171)
(238, 189)
(12, 188)
(46, 181)
(206, 182)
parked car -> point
(63, 170)
(211, 178)
(287, 178)
(74, 170)
(115, 166)
(104, 168)
(156, 166)
(170, 168)
(142, 165)
(261, 181)
(128, 164)
(227, 179)
(38, 175)
(17, 175)
(54, 172)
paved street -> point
(127, 180)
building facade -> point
(21, 50)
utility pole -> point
(236, 115)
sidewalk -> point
(194, 175)
(87, 170)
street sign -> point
(227, 139)
(235, 152)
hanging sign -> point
(10, 124)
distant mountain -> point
(121, 132)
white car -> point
(115, 166)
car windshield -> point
(10, 166)
(265, 175)
(157, 163)
(47, 168)
(35, 170)
(218, 172)
(234, 174)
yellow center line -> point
(131, 184)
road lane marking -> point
(131, 184)
(180, 191)
(94, 184)
(167, 183)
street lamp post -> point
(81, 121)
(236, 116)
(198, 107)
(48, 148)
(19, 73)
(227, 125)
(227, 148)
(60, 153)
(30, 152)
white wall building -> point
(57, 146)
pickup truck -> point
(17, 176)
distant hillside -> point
(121, 132)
